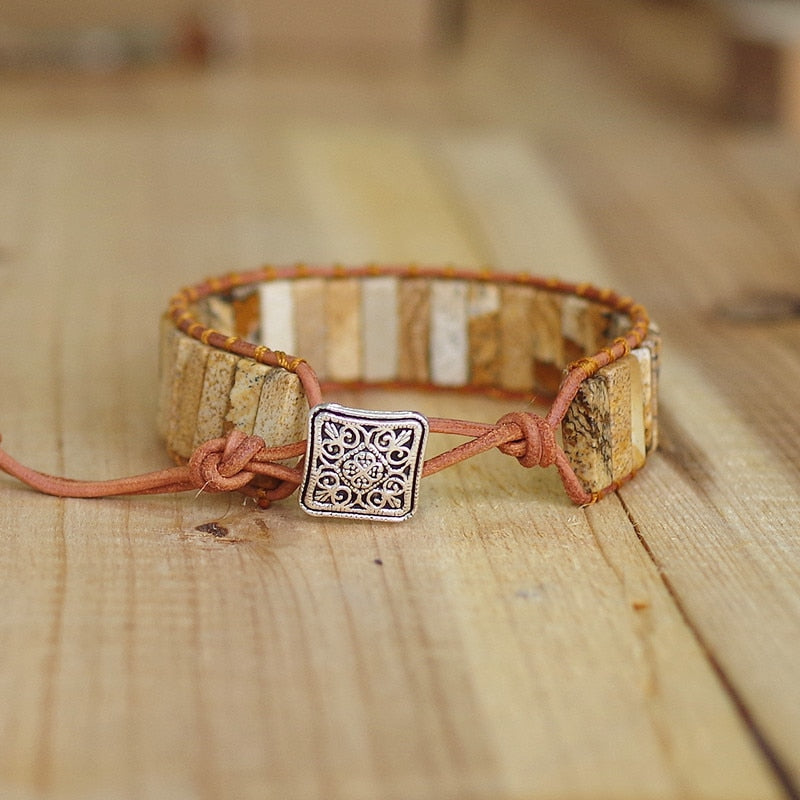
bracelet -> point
(239, 412)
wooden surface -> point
(503, 643)
(763, 44)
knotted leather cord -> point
(244, 463)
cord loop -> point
(220, 465)
(536, 446)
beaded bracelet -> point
(239, 413)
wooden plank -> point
(167, 357)
(763, 44)
(719, 525)
(542, 234)
(472, 183)
(349, 175)
(737, 500)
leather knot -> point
(220, 465)
(536, 445)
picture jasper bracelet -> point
(240, 412)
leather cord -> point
(244, 463)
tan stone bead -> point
(548, 342)
(217, 313)
(623, 378)
(617, 325)
(636, 405)
(546, 325)
(584, 324)
(245, 395)
(187, 386)
(484, 334)
(277, 316)
(310, 322)
(247, 315)
(380, 328)
(282, 408)
(603, 430)
(414, 312)
(653, 343)
(586, 434)
(644, 356)
(215, 397)
(343, 324)
(449, 343)
(517, 345)
(484, 350)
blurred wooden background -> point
(502, 644)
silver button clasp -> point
(363, 464)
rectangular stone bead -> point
(187, 388)
(584, 327)
(245, 395)
(414, 318)
(603, 430)
(636, 405)
(546, 319)
(483, 310)
(216, 313)
(309, 322)
(215, 397)
(617, 325)
(653, 343)
(246, 306)
(343, 324)
(548, 342)
(222, 315)
(644, 357)
(276, 300)
(517, 345)
(626, 418)
(379, 314)
(167, 351)
(449, 334)
(282, 408)
(585, 433)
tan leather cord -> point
(244, 463)
(238, 462)
(527, 437)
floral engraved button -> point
(363, 464)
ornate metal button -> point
(363, 464)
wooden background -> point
(503, 643)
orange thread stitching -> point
(284, 361)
